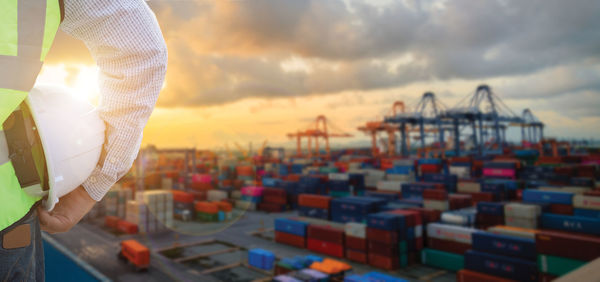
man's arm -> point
(126, 42)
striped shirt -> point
(125, 40)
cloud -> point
(226, 51)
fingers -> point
(52, 222)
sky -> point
(253, 70)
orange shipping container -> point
(136, 253)
(207, 207)
(111, 221)
(224, 206)
(127, 227)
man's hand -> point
(68, 211)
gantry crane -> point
(372, 128)
(320, 130)
(425, 113)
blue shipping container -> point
(291, 226)
(313, 212)
(587, 213)
(504, 245)
(492, 208)
(571, 223)
(551, 197)
(386, 221)
(503, 266)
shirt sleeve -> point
(126, 42)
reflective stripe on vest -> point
(27, 30)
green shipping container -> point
(402, 246)
(558, 266)
(339, 194)
(444, 260)
(207, 217)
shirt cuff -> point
(98, 184)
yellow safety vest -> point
(27, 30)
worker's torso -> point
(27, 30)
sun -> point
(82, 79)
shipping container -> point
(290, 239)
(327, 248)
(504, 245)
(503, 266)
(570, 245)
(465, 275)
(441, 259)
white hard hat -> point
(72, 135)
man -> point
(125, 40)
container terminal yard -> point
(440, 195)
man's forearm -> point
(127, 44)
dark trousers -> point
(25, 263)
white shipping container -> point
(216, 195)
(418, 231)
(236, 195)
(356, 229)
(436, 205)
(468, 187)
(393, 186)
(529, 223)
(339, 176)
(522, 210)
(450, 232)
(375, 173)
(454, 218)
(401, 177)
(586, 202)
(462, 172)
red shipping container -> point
(428, 215)
(570, 245)
(356, 256)
(561, 209)
(482, 197)
(383, 249)
(383, 262)
(448, 246)
(314, 201)
(356, 243)
(434, 194)
(327, 248)
(281, 200)
(459, 201)
(198, 186)
(419, 244)
(412, 218)
(111, 221)
(465, 275)
(127, 227)
(290, 239)
(182, 197)
(326, 233)
(269, 207)
(484, 221)
(592, 193)
(383, 236)
(274, 192)
(430, 168)
(199, 195)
